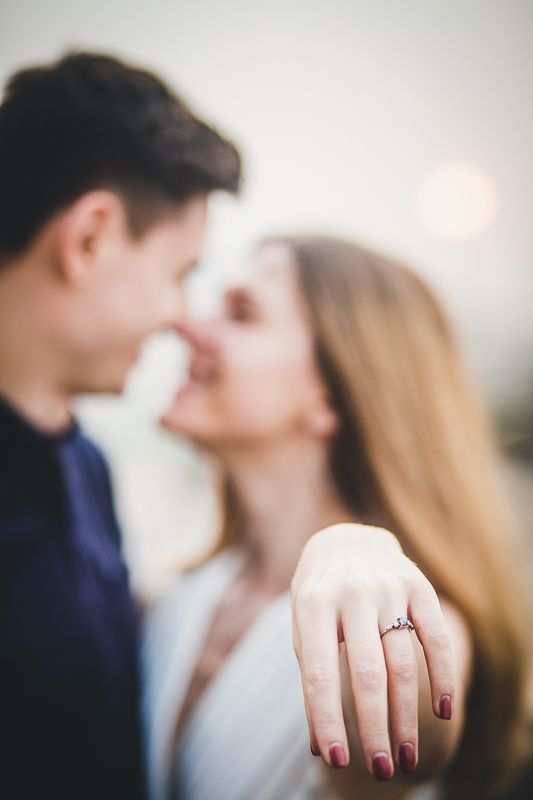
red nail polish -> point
(382, 767)
(314, 751)
(337, 756)
(407, 757)
(445, 707)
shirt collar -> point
(18, 431)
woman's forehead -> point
(270, 280)
(272, 266)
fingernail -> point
(314, 751)
(407, 757)
(382, 767)
(445, 707)
(337, 756)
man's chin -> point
(113, 380)
(96, 390)
(103, 384)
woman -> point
(330, 392)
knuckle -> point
(296, 583)
(369, 676)
(311, 599)
(301, 601)
(440, 641)
(326, 724)
(355, 591)
(319, 678)
(423, 593)
(404, 669)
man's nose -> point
(196, 333)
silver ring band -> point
(401, 622)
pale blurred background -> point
(405, 125)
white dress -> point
(247, 738)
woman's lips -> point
(202, 371)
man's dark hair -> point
(89, 122)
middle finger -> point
(368, 677)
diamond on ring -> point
(401, 622)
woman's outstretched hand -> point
(351, 582)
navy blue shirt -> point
(69, 719)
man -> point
(104, 180)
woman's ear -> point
(321, 423)
(86, 234)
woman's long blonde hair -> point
(414, 454)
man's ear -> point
(87, 233)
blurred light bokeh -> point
(407, 126)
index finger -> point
(317, 649)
